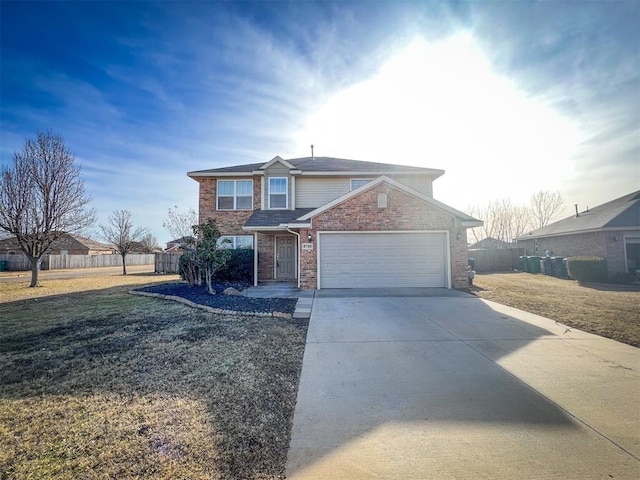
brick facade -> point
(229, 222)
(403, 212)
(606, 244)
(360, 213)
(266, 249)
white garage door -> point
(367, 260)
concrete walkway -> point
(401, 385)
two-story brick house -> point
(336, 223)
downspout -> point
(255, 259)
(298, 255)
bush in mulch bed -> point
(200, 295)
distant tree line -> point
(505, 221)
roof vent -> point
(312, 158)
(577, 215)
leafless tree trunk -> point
(544, 206)
(42, 196)
(180, 224)
(120, 233)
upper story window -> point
(278, 192)
(358, 182)
(235, 194)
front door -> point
(285, 258)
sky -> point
(508, 97)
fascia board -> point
(262, 229)
(219, 174)
(423, 173)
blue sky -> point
(507, 97)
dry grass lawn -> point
(103, 384)
(609, 310)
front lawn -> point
(612, 311)
(104, 384)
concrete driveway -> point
(416, 384)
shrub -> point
(587, 269)
(239, 266)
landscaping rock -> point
(224, 303)
(231, 291)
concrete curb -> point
(206, 308)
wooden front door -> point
(285, 258)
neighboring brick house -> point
(336, 223)
(67, 244)
(610, 230)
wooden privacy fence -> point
(167, 262)
(64, 262)
(496, 260)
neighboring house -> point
(177, 244)
(67, 244)
(336, 223)
(611, 231)
(491, 243)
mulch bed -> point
(199, 296)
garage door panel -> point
(362, 260)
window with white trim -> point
(278, 192)
(358, 182)
(235, 241)
(235, 194)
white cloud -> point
(440, 105)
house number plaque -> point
(307, 246)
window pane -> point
(225, 242)
(244, 242)
(357, 183)
(244, 203)
(225, 187)
(225, 203)
(244, 187)
(278, 201)
(277, 185)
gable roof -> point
(320, 166)
(621, 213)
(465, 220)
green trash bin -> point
(559, 267)
(3, 265)
(523, 264)
(545, 266)
(534, 264)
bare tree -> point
(120, 233)
(544, 206)
(149, 243)
(180, 224)
(502, 220)
(42, 196)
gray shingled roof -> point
(623, 212)
(273, 218)
(325, 164)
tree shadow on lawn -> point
(244, 369)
